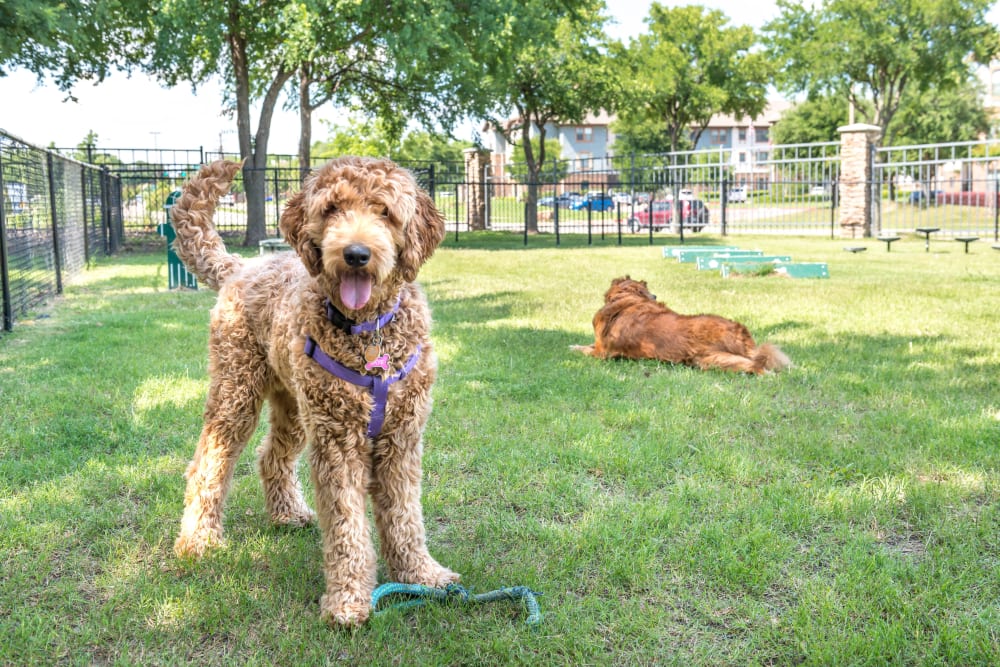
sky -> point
(137, 112)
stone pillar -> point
(476, 160)
(856, 176)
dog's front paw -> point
(429, 573)
(343, 610)
(296, 518)
(195, 545)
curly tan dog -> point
(633, 325)
(336, 340)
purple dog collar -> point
(379, 387)
(351, 328)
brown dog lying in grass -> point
(633, 325)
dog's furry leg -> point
(395, 491)
(589, 350)
(340, 477)
(229, 423)
(198, 245)
(277, 461)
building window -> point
(718, 137)
(743, 157)
(995, 83)
(585, 134)
(743, 135)
(760, 135)
(761, 156)
(586, 161)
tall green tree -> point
(547, 63)
(408, 66)
(873, 52)
(689, 66)
(396, 60)
(924, 117)
(935, 116)
(251, 47)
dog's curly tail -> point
(769, 357)
(197, 244)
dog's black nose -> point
(357, 255)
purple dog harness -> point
(378, 386)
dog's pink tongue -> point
(355, 290)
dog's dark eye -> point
(385, 211)
(329, 210)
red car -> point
(660, 214)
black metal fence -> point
(641, 209)
(57, 213)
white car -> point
(819, 191)
(737, 194)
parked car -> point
(659, 215)
(925, 197)
(567, 199)
(819, 191)
(737, 194)
(595, 201)
(694, 214)
(622, 198)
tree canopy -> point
(68, 40)
(689, 66)
(546, 64)
(875, 51)
(407, 62)
(363, 135)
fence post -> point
(590, 234)
(107, 231)
(277, 206)
(834, 197)
(996, 209)
(86, 236)
(56, 253)
(725, 201)
(8, 307)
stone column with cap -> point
(856, 176)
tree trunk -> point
(305, 124)
(531, 203)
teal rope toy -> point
(421, 594)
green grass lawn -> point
(844, 512)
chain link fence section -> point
(56, 214)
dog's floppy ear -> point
(421, 236)
(293, 227)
